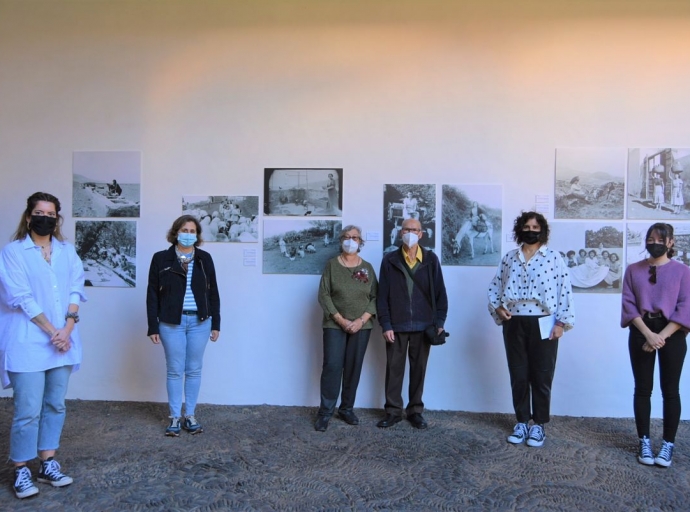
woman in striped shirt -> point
(183, 309)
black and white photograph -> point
(593, 253)
(108, 250)
(590, 183)
(401, 202)
(472, 227)
(303, 192)
(635, 238)
(299, 246)
(225, 218)
(658, 183)
(106, 184)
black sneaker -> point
(173, 429)
(50, 474)
(23, 484)
(192, 426)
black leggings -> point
(671, 358)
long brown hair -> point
(31, 202)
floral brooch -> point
(362, 275)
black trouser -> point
(671, 357)
(414, 345)
(343, 355)
(531, 363)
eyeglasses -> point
(355, 238)
(652, 274)
(411, 230)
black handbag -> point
(431, 334)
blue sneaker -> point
(645, 457)
(665, 455)
(173, 429)
(191, 425)
(536, 436)
(519, 434)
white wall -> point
(212, 92)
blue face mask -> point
(186, 239)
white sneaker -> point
(665, 455)
(23, 484)
(519, 434)
(536, 436)
(645, 457)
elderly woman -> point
(42, 284)
(656, 308)
(183, 309)
(347, 295)
(532, 282)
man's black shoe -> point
(321, 423)
(389, 421)
(417, 421)
(349, 417)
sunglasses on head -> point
(652, 274)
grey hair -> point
(350, 227)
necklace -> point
(350, 269)
(184, 259)
(46, 250)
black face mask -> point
(42, 225)
(656, 250)
(529, 237)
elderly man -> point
(404, 310)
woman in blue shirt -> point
(41, 286)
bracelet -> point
(73, 315)
(560, 324)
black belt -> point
(186, 312)
(653, 315)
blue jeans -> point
(184, 347)
(39, 411)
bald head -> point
(412, 226)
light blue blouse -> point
(29, 286)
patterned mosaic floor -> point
(270, 458)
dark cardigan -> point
(398, 312)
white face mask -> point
(410, 239)
(350, 246)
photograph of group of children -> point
(593, 254)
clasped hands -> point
(61, 339)
(655, 341)
(350, 326)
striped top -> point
(189, 303)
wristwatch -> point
(74, 316)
